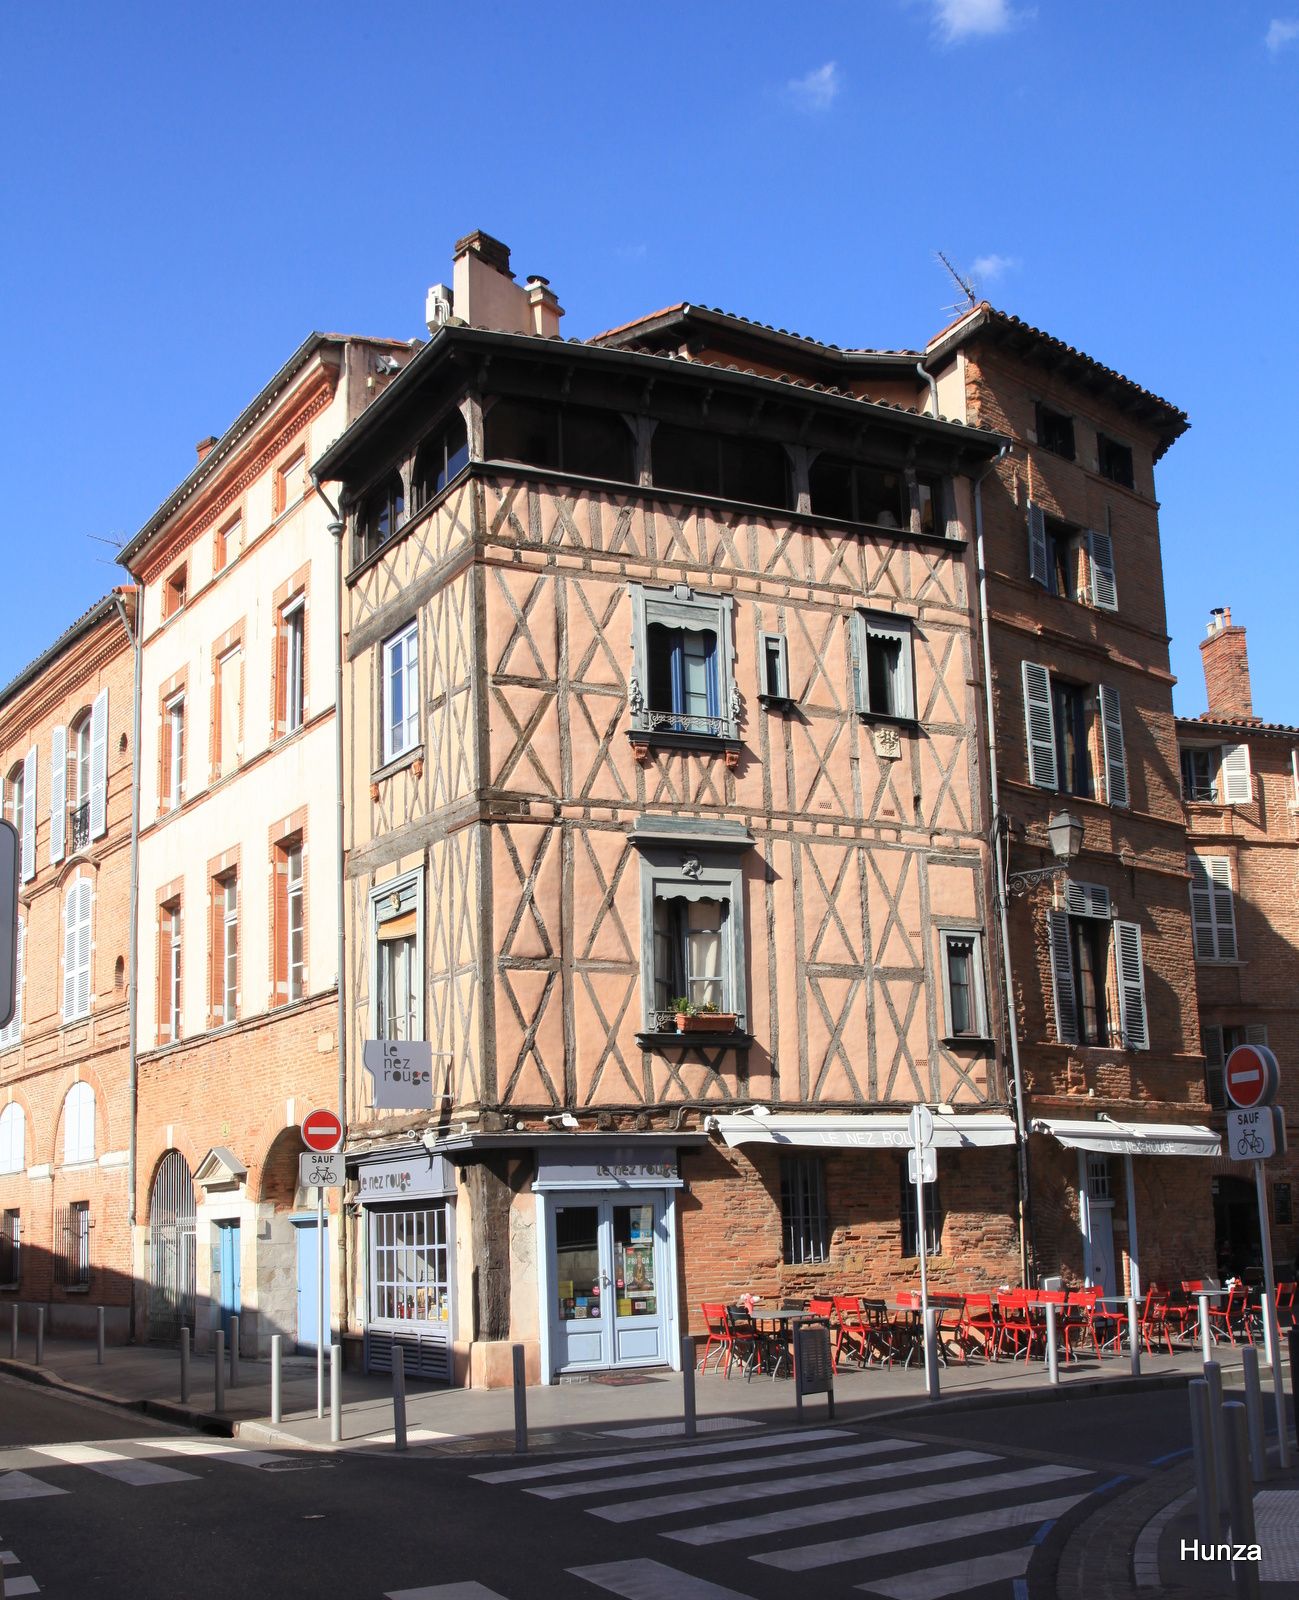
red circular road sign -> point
(321, 1130)
(1252, 1076)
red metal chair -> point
(1153, 1323)
(851, 1332)
(745, 1341)
(1016, 1325)
(1080, 1321)
(1232, 1315)
(978, 1328)
(1285, 1311)
(719, 1335)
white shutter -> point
(70, 952)
(83, 951)
(1116, 766)
(28, 829)
(1040, 725)
(1213, 914)
(58, 791)
(1087, 899)
(1132, 986)
(1236, 787)
(1105, 592)
(10, 1033)
(99, 766)
(1038, 565)
(1066, 1007)
(1224, 909)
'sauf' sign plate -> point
(321, 1169)
(1251, 1135)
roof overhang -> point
(465, 1146)
(1132, 1138)
(875, 1130)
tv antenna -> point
(965, 285)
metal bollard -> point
(234, 1352)
(398, 1397)
(1273, 1332)
(931, 1354)
(1208, 1510)
(219, 1370)
(1206, 1331)
(1134, 1337)
(1213, 1377)
(1244, 1574)
(277, 1374)
(1254, 1413)
(520, 1401)
(99, 1336)
(184, 1366)
(335, 1394)
(1052, 1354)
(13, 1337)
(691, 1422)
(40, 1334)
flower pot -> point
(706, 1022)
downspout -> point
(933, 392)
(132, 981)
(999, 839)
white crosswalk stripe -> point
(113, 1464)
(743, 1448)
(956, 1578)
(22, 1486)
(651, 1580)
(130, 1462)
(445, 1591)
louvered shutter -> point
(1213, 1065)
(1087, 899)
(1066, 1006)
(58, 791)
(1213, 914)
(1132, 986)
(10, 1033)
(1224, 909)
(29, 816)
(1236, 787)
(1040, 726)
(1038, 566)
(1100, 548)
(1116, 765)
(99, 766)
(83, 950)
(1256, 1033)
(70, 951)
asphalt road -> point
(98, 1503)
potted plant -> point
(706, 1018)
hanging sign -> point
(401, 1073)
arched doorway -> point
(171, 1250)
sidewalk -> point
(561, 1416)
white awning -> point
(878, 1130)
(1133, 1138)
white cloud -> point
(631, 252)
(987, 269)
(1281, 32)
(816, 90)
(967, 19)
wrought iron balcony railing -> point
(79, 826)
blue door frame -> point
(228, 1237)
(305, 1228)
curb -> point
(164, 1410)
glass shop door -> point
(609, 1272)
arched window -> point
(381, 514)
(76, 950)
(13, 1138)
(79, 1124)
(79, 782)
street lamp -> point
(1065, 835)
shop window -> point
(692, 461)
(13, 1139)
(380, 515)
(1066, 724)
(11, 1237)
(1219, 1041)
(400, 693)
(1213, 908)
(933, 1217)
(883, 666)
(174, 591)
(440, 458)
(1114, 460)
(397, 955)
(963, 983)
(1055, 432)
(79, 1124)
(76, 950)
(855, 491)
(682, 678)
(805, 1219)
(576, 439)
(170, 971)
(408, 1265)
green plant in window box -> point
(705, 1018)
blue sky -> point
(188, 191)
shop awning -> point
(1132, 1138)
(876, 1130)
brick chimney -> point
(485, 295)
(204, 446)
(1226, 667)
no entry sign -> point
(1252, 1076)
(322, 1130)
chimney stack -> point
(204, 446)
(1226, 667)
(485, 295)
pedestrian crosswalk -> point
(31, 1471)
(899, 1518)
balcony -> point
(79, 827)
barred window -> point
(803, 1210)
(933, 1217)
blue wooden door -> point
(228, 1250)
(307, 1284)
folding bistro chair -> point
(718, 1341)
(978, 1328)
(1012, 1308)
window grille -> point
(803, 1210)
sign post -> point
(922, 1162)
(322, 1133)
(1255, 1131)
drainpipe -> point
(132, 979)
(999, 847)
(933, 390)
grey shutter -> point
(1066, 1006)
(1206, 946)
(1132, 986)
(99, 766)
(58, 791)
(1087, 900)
(1236, 787)
(1256, 1033)
(1040, 726)
(1038, 567)
(1105, 592)
(1224, 909)
(1213, 1064)
(29, 816)
(1116, 765)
